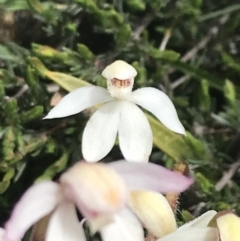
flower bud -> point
(154, 211)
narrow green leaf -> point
(204, 97)
(169, 142)
(200, 74)
(11, 112)
(4, 184)
(66, 81)
(32, 114)
(2, 92)
(8, 143)
(230, 95)
(36, 5)
(230, 61)
(5, 54)
(85, 52)
(55, 168)
(220, 12)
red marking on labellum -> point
(121, 83)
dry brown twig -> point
(142, 26)
(227, 176)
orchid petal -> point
(64, 225)
(154, 211)
(38, 201)
(125, 227)
(100, 132)
(150, 176)
(229, 227)
(160, 105)
(135, 134)
(201, 221)
(2, 234)
(192, 234)
(79, 100)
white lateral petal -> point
(159, 104)
(135, 134)
(100, 132)
(150, 176)
(125, 227)
(64, 225)
(38, 201)
(79, 100)
(201, 221)
(192, 234)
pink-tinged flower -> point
(100, 192)
(119, 115)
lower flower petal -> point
(38, 201)
(192, 234)
(64, 225)
(125, 227)
(100, 132)
(159, 104)
(150, 176)
(135, 134)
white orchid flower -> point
(100, 192)
(119, 115)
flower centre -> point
(120, 88)
(121, 83)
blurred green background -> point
(187, 48)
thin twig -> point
(142, 26)
(219, 131)
(165, 40)
(197, 209)
(24, 88)
(227, 176)
(52, 88)
(179, 81)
